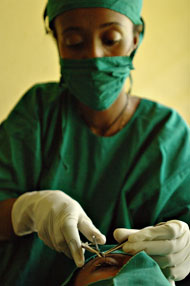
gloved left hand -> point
(167, 243)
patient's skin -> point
(100, 268)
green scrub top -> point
(136, 178)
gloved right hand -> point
(57, 218)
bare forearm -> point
(6, 228)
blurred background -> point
(162, 64)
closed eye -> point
(111, 37)
(105, 265)
(73, 40)
(110, 42)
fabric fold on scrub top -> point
(141, 269)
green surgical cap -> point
(129, 8)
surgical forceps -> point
(96, 250)
(116, 247)
(92, 247)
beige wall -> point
(162, 64)
(163, 61)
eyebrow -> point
(77, 29)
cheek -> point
(63, 51)
(100, 275)
(84, 278)
(129, 42)
(60, 47)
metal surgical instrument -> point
(92, 247)
(96, 250)
(118, 246)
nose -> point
(94, 49)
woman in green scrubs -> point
(82, 157)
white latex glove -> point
(57, 219)
(167, 243)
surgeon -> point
(83, 157)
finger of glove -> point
(88, 229)
(60, 243)
(51, 243)
(174, 258)
(53, 237)
(122, 234)
(159, 247)
(65, 249)
(169, 230)
(178, 272)
(47, 242)
(45, 237)
(72, 238)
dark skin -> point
(98, 32)
(100, 268)
(6, 229)
(88, 33)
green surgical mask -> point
(96, 82)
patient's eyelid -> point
(106, 264)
